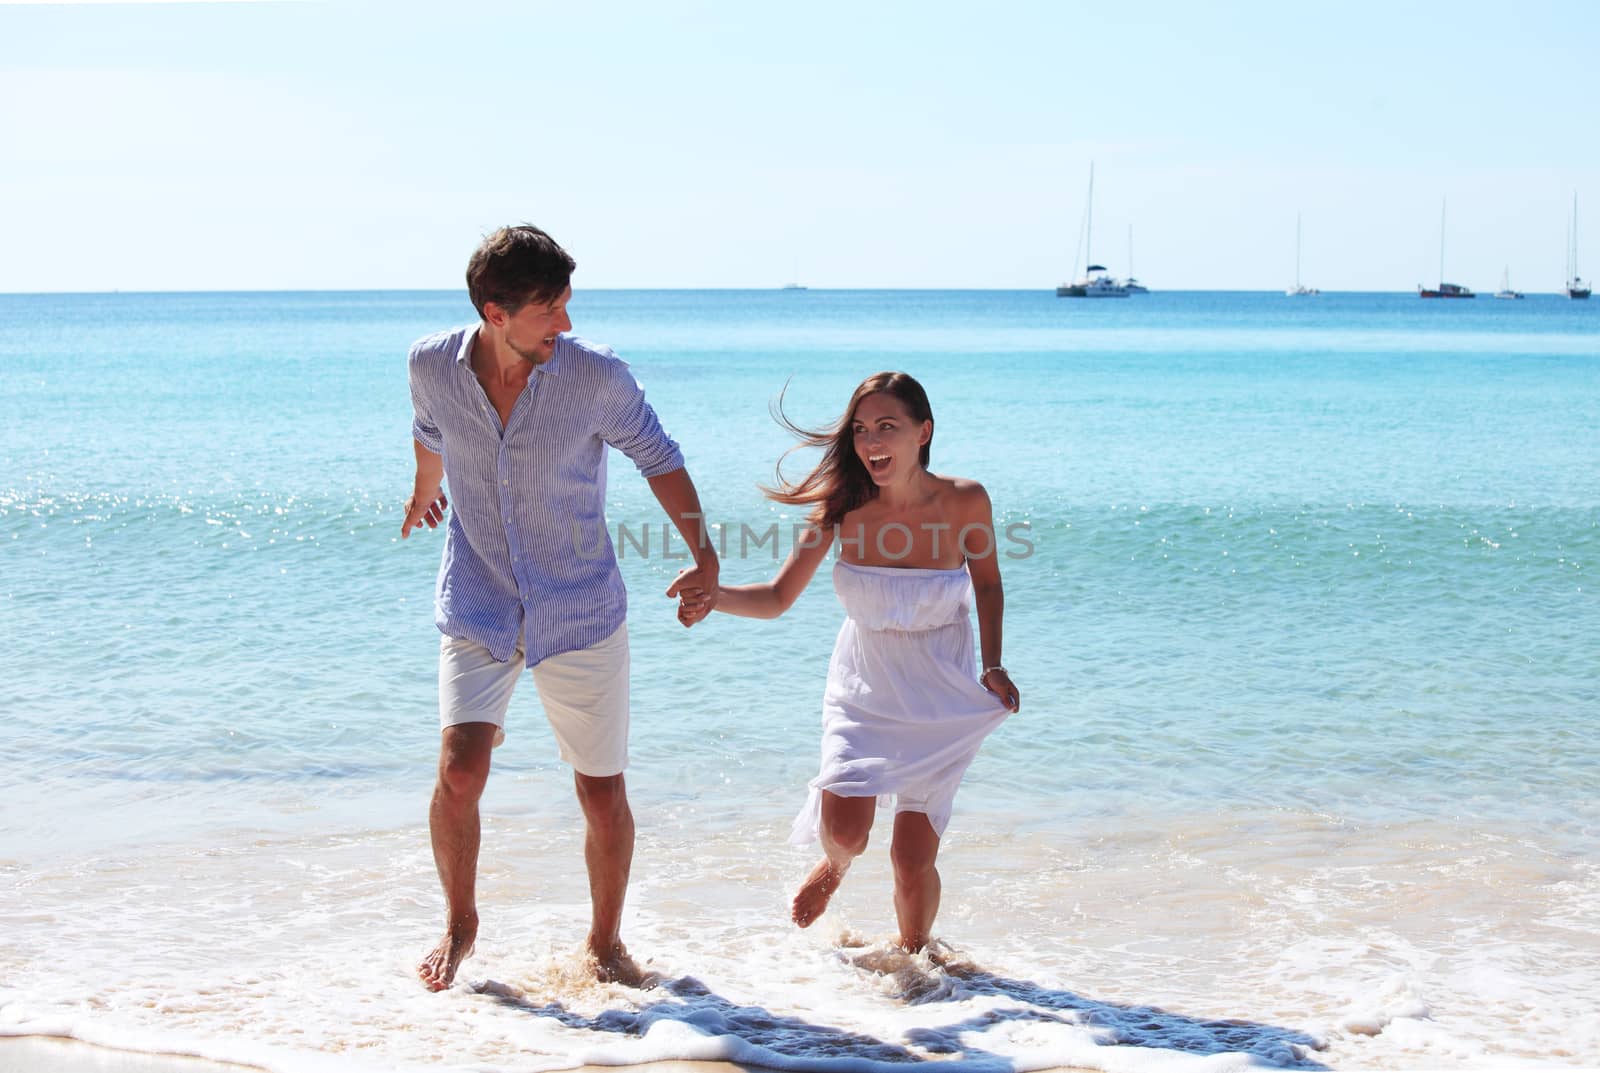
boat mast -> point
(1077, 248)
(1441, 243)
(1575, 235)
(1088, 242)
(1297, 251)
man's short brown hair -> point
(515, 266)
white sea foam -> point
(1213, 945)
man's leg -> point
(585, 697)
(608, 852)
(453, 822)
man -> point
(515, 414)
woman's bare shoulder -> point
(961, 491)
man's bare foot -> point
(438, 969)
(812, 899)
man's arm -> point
(427, 503)
(677, 496)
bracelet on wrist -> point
(996, 667)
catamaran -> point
(1095, 282)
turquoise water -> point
(1323, 560)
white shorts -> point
(584, 693)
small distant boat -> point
(1444, 290)
(794, 283)
(1505, 290)
(1095, 282)
(1299, 290)
(1133, 285)
(1576, 287)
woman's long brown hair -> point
(840, 483)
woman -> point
(902, 712)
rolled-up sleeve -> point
(629, 424)
(423, 430)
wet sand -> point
(38, 1054)
(55, 1054)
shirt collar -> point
(464, 351)
(549, 368)
(553, 366)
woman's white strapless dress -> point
(903, 712)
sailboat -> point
(1095, 282)
(1133, 285)
(794, 283)
(1505, 290)
(1576, 287)
(1446, 290)
(1299, 290)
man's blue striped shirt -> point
(526, 553)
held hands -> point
(423, 513)
(998, 682)
(696, 590)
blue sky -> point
(279, 145)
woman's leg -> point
(846, 824)
(914, 851)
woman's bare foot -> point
(615, 966)
(811, 901)
(438, 969)
(912, 946)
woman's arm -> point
(980, 545)
(769, 599)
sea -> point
(1302, 596)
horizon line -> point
(681, 290)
